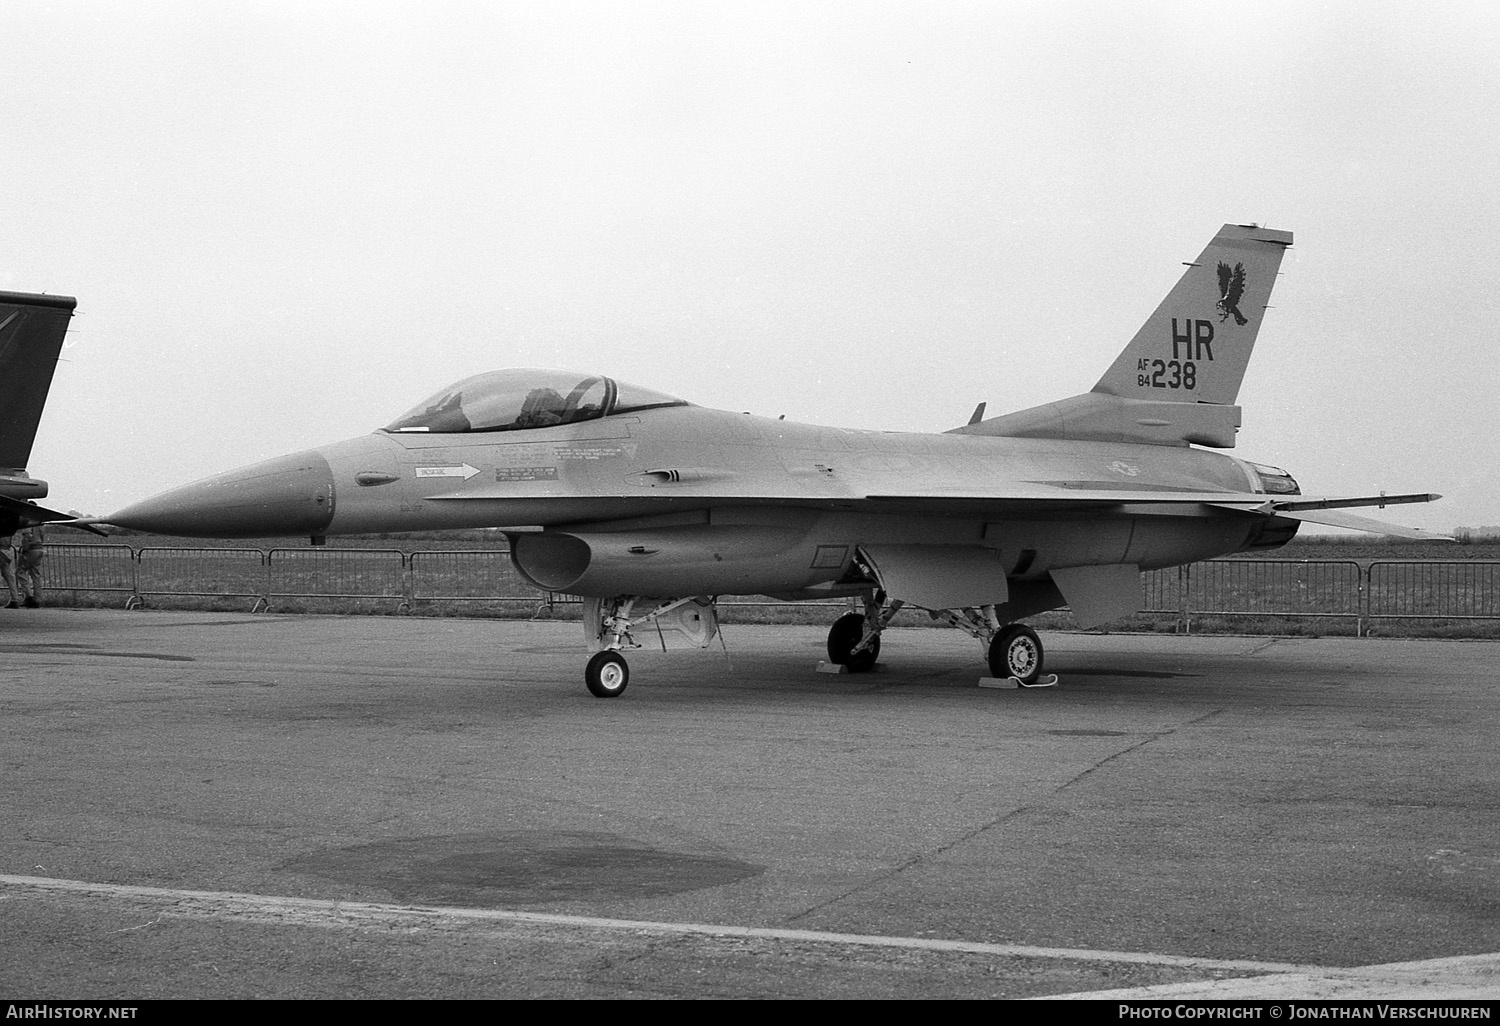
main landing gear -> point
(854, 638)
(1012, 650)
(1016, 651)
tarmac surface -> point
(234, 805)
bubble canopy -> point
(518, 400)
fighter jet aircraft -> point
(649, 507)
(31, 335)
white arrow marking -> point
(463, 470)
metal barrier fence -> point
(468, 575)
(1427, 589)
(323, 573)
(1468, 590)
(196, 573)
(1267, 587)
(101, 568)
(1165, 592)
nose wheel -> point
(607, 674)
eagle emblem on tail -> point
(1231, 288)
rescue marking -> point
(463, 470)
(525, 473)
(586, 451)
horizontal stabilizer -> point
(1352, 522)
(1323, 511)
(30, 513)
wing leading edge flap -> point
(939, 576)
(1099, 594)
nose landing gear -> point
(608, 623)
(607, 674)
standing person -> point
(33, 547)
(8, 567)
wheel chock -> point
(824, 666)
(1046, 680)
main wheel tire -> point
(1016, 652)
(843, 636)
(606, 675)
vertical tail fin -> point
(1196, 346)
(31, 336)
(1177, 380)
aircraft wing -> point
(1024, 500)
(1063, 497)
(1144, 502)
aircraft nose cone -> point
(285, 496)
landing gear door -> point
(1099, 594)
(938, 576)
(691, 625)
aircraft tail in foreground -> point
(1177, 380)
(31, 337)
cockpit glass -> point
(513, 400)
(630, 397)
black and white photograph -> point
(709, 499)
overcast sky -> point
(286, 223)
